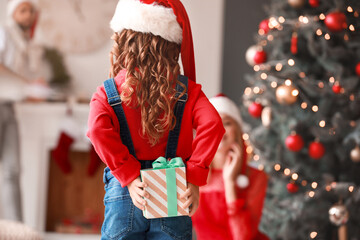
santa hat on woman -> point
(225, 105)
(165, 18)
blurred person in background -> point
(231, 203)
(21, 70)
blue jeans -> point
(125, 221)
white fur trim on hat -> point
(13, 4)
(224, 105)
(147, 18)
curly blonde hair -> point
(152, 69)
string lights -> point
(278, 67)
(291, 62)
(315, 108)
(273, 84)
(263, 76)
(322, 123)
(313, 235)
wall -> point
(2, 6)
(241, 25)
(206, 17)
(2, 11)
(90, 70)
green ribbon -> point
(162, 163)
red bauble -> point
(292, 187)
(357, 69)
(260, 57)
(294, 44)
(264, 25)
(314, 3)
(294, 142)
(255, 109)
(316, 150)
(336, 21)
(336, 88)
(255, 55)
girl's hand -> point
(137, 192)
(233, 162)
(191, 195)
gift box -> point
(166, 182)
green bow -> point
(162, 163)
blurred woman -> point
(231, 203)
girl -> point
(149, 36)
(231, 203)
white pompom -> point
(242, 181)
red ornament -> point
(292, 187)
(314, 3)
(357, 69)
(294, 142)
(316, 150)
(336, 21)
(260, 57)
(336, 88)
(255, 109)
(264, 25)
(255, 55)
(294, 43)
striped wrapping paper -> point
(157, 203)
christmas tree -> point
(302, 106)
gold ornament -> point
(296, 3)
(355, 154)
(286, 94)
(266, 117)
(338, 214)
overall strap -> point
(115, 102)
(178, 112)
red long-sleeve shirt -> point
(217, 220)
(199, 114)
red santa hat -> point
(13, 4)
(165, 18)
(223, 104)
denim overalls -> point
(122, 219)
